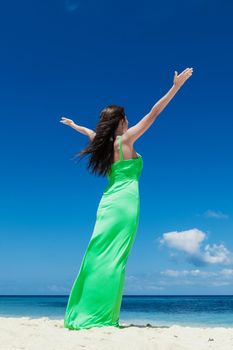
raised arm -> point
(133, 133)
(82, 129)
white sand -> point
(45, 334)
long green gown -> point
(96, 296)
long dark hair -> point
(101, 148)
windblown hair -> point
(101, 148)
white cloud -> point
(217, 254)
(186, 241)
(58, 288)
(182, 273)
(215, 214)
(220, 283)
(227, 272)
(156, 282)
(142, 283)
(220, 278)
(170, 279)
(189, 242)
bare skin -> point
(132, 134)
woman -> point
(96, 294)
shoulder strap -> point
(120, 145)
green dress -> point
(96, 296)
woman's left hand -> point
(66, 121)
(179, 80)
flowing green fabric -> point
(96, 296)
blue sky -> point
(73, 58)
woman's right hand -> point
(179, 80)
(66, 121)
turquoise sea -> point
(189, 310)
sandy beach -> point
(44, 333)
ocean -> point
(192, 310)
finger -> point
(185, 70)
(186, 74)
(189, 73)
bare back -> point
(127, 149)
